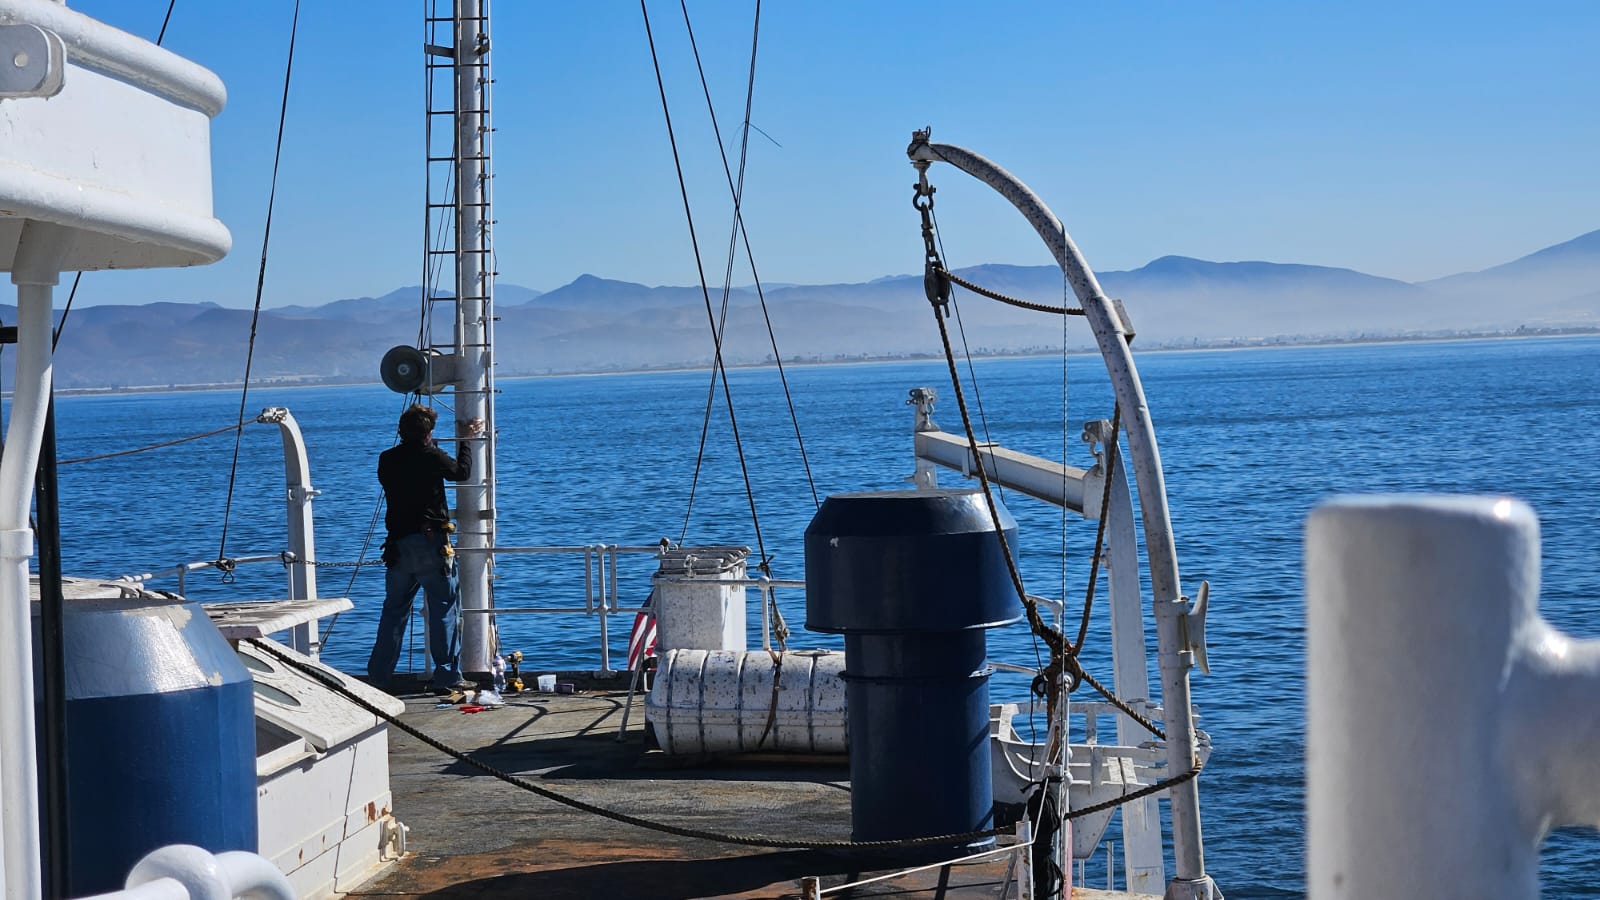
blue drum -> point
(912, 579)
(161, 742)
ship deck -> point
(473, 835)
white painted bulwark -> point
(1450, 728)
(695, 608)
(713, 701)
(322, 776)
(121, 154)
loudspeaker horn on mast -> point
(408, 370)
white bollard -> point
(203, 876)
(1450, 728)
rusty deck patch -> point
(566, 871)
(473, 835)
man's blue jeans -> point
(416, 561)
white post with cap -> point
(1450, 728)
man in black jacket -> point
(417, 552)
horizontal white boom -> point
(1039, 478)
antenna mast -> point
(474, 387)
(463, 50)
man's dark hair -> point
(417, 423)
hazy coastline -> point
(313, 381)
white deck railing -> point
(601, 595)
(181, 570)
(1016, 885)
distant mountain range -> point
(595, 324)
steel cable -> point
(756, 840)
(171, 443)
(67, 309)
(1062, 655)
(1110, 451)
(261, 277)
(741, 232)
(966, 351)
(164, 20)
(711, 319)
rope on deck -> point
(751, 840)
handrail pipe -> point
(301, 533)
(35, 271)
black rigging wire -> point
(1108, 460)
(972, 373)
(739, 231)
(145, 449)
(55, 340)
(165, 19)
(719, 329)
(433, 237)
(983, 419)
(1063, 655)
(711, 319)
(261, 278)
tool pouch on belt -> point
(447, 551)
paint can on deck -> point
(161, 742)
(912, 579)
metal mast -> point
(463, 50)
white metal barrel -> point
(696, 606)
(721, 701)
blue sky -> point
(1407, 140)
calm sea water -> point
(1251, 440)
